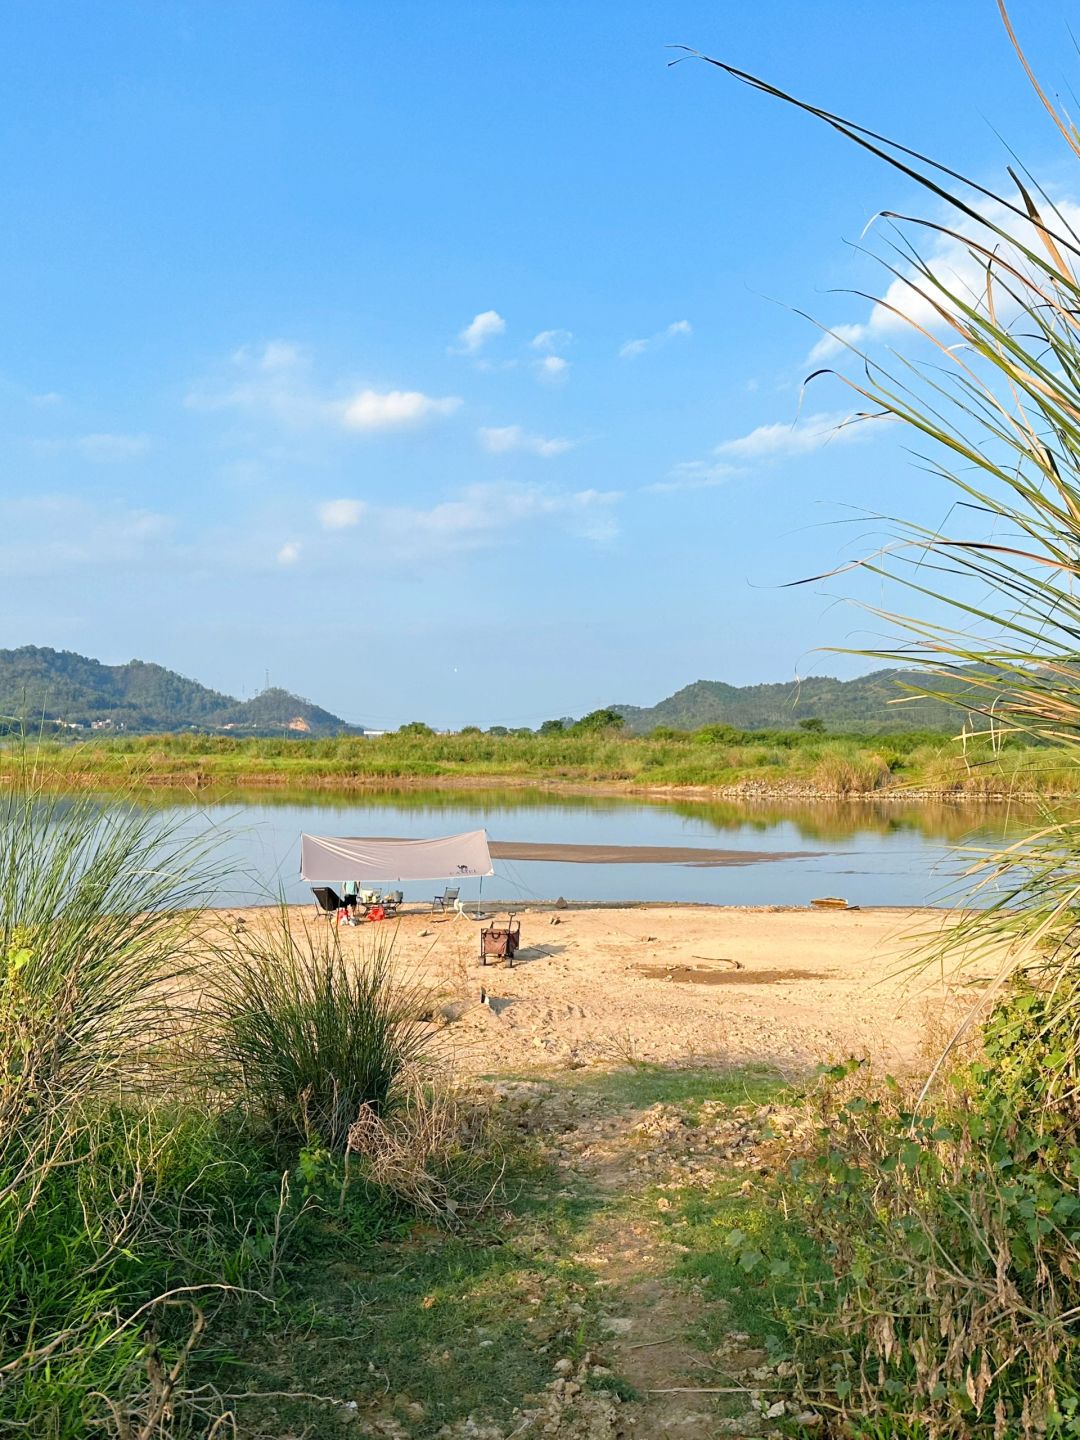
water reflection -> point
(871, 852)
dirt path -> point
(650, 1320)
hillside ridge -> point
(71, 692)
(875, 703)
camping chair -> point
(327, 902)
(445, 901)
(500, 942)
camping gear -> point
(447, 899)
(327, 901)
(326, 858)
(500, 942)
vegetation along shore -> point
(715, 760)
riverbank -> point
(706, 765)
(783, 989)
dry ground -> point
(780, 988)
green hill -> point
(71, 692)
(870, 704)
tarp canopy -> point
(327, 859)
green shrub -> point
(953, 1231)
(304, 1038)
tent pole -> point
(479, 896)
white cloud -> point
(289, 553)
(810, 432)
(694, 475)
(271, 381)
(633, 348)
(48, 401)
(340, 514)
(275, 382)
(553, 369)
(480, 329)
(392, 409)
(481, 517)
(501, 440)
(833, 341)
(551, 340)
(762, 445)
(962, 272)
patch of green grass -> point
(746, 1254)
(639, 1086)
(455, 1324)
(614, 1385)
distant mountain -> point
(74, 692)
(872, 704)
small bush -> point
(303, 1037)
(953, 1231)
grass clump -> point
(951, 1214)
(305, 1040)
(157, 1196)
(952, 1229)
(114, 1216)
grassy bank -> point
(713, 759)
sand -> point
(787, 989)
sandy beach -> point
(787, 989)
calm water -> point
(871, 854)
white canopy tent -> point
(330, 859)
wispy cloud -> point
(276, 381)
(835, 340)
(488, 325)
(551, 340)
(694, 475)
(766, 444)
(633, 348)
(340, 514)
(104, 448)
(112, 447)
(502, 439)
(553, 369)
(810, 432)
(393, 409)
(51, 533)
(480, 517)
(289, 553)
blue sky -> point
(441, 360)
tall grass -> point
(304, 1038)
(714, 757)
(142, 1195)
(953, 1217)
(95, 925)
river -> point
(869, 853)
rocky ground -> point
(646, 1369)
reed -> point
(948, 1212)
(715, 757)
